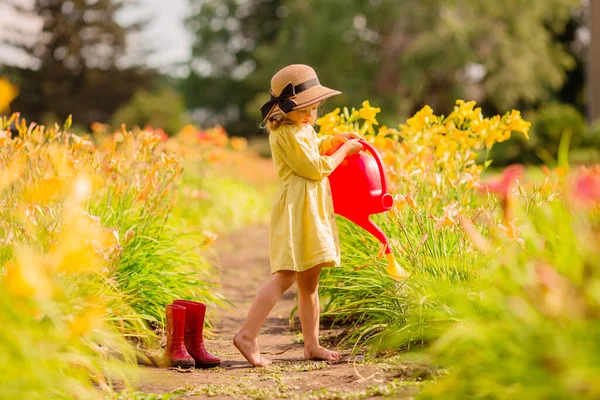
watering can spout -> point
(359, 190)
(364, 222)
(394, 269)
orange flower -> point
(512, 232)
(4, 138)
(149, 138)
(220, 137)
(399, 202)
(216, 156)
(476, 238)
(469, 180)
(159, 133)
(169, 160)
(395, 243)
(211, 238)
(411, 202)
(450, 212)
(202, 136)
(128, 236)
(239, 143)
(13, 172)
(98, 127)
(79, 143)
(423, 240)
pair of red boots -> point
(185, 344)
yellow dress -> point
(303, 231)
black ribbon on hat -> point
(284, 100)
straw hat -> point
(294, 87)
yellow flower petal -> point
(8, 93)
(27, 277)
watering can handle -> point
(377, 157)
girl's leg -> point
(308, 310)
(266, 298)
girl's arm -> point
(325, 143)
(328, 142)
(349, 148)
(304, 160)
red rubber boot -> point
(176, 351)
(194, 326)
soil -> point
(244, 264)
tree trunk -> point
(593, 81)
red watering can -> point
(359, 189)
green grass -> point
(533, 332)
(376, 307)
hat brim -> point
(307, 98)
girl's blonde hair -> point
(274, 122)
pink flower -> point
(504, 187)
(202, 136)
(159, 132)
(162, 134)
(586, 187)
(505, 183)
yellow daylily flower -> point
(463, 110)
(514, 122)
(239, 143)
(368, 113)
(8, 93)
(44, 191)
(27, 277)
(12, 173)
(90, 319)
(421, 119)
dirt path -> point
(245, 267)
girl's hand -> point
(349, 148)
(353, 146)
(342, 138)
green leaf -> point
(563, 148)
(68, 122)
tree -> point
(161, 109)
(402, 55)
(75, 59)
(227, 34)
(594, 62)
(430, 52)
(573, 90)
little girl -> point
(303, 231)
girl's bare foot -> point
(320, 353)
(249, 349)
